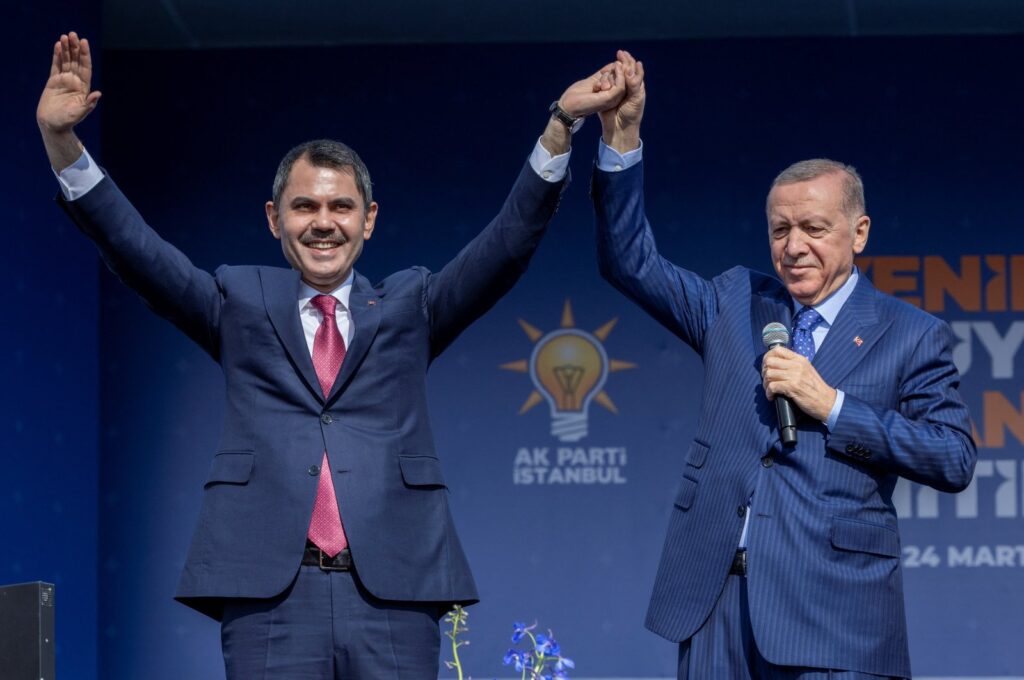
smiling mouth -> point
(323, 244)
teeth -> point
(322, 246)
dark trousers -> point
(724, 647)
(326, 626)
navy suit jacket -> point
(258, 497)
(824, 578)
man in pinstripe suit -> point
(783, 560)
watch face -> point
(576, 125)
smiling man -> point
(782, 560)
(324, 543)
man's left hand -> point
(785, 372)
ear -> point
(371, 220)
(272, 216)
(860, 234)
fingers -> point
(65, 54)
(634, 80)
(86, 61)
(55, 63)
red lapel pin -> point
(857, 341)
(371, 303)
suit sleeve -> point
(628, 258)
(161, 274)
(489, 265)
(927, 437)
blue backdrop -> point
(49, 376)
(933, 125)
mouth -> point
(324, 245)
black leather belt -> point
(739, 563)
(314, 556)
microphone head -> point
(774, 334)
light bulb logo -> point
(569, 368)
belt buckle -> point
(742, 555)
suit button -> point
(314, 470)
(326, 419)
(741, 510)
(767, 461)
(850, 448)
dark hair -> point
(324, 153)
(804, 171)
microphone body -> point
(775, 335)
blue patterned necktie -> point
(804, 324)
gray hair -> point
(804, 171)
(324, 153)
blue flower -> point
(513, 656)
(547, 646)
(564, 662)
(518, 631)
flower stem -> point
(455, 645)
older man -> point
(782, 558)
(325, 542)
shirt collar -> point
(829, 308)
(341, 293)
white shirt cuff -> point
(833, 415)
(610, 160)
(549, 168)
(79, 178)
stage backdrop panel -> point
(49, 375)
(562, 512)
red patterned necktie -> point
(325, 528)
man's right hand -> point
(66, 100)
(621, 124)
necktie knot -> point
(807, 319)
(325, 304)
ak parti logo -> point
(569, 368)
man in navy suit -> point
(783, 560)
(324, 542)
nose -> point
(322, 221)
(795, 244)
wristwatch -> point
(559, 114)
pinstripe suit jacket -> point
(824, 582)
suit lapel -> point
(281, 297)
(364, 308)
(851, 337)
(769, 303)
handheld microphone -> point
(774, 335)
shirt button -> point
(314, 470)
(326, 419)
(767, 461)
(546, 174)
(618, 167)
(741, 510)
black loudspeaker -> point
(26, 632)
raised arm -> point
(165, 278)
(627, 255)
(66, 100)
(493, 261)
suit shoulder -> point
(403, 282)
(905, 314)
(243, 272)
(744, 279)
